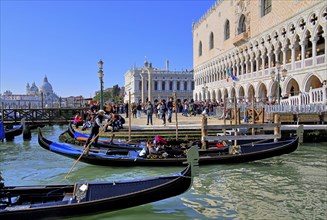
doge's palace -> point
(269, 50)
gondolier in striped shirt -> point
(97, 123)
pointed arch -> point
(200, 49)
(211, 41)
(241, 25)
(227, 30)
(312, 82)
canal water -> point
(291, 186)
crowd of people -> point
(113, 120)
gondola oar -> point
(86, 149)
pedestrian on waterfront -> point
(185, 108)
(93, 110)
(163, 109)
(149, 113)
(96, 124)
(139, 110)
(134, 111)
(126, 109)
(159, 110)
(170, 106)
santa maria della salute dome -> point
(45, 90)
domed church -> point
(45, 89)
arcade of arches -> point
(299, 45)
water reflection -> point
(292, 186)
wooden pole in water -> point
(253, 115)
(235, 116)
(225, 108)
(129, 116)
(175, 101)
(277, 126)
(2, 112)
(204, 131)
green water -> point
(291, 186)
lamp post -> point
(148, 67)
(100, 75)
(278, 78)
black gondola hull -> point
(249, 153)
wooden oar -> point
(86, 149)
(112, 138)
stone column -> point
(303, 54)
(292, 47)
(269, 60)
(284, 56)
(251, 65)
(314, 50)
(149, 85)
(142, 88)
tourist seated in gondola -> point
(115, 121)
(87, 123)
(152, 150)
(78, 120)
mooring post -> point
(204, 131)
(277, 126)
(225, 109)
(235, 119)
(253, 115)
(299, 133)
(263, 115)
(175, 102)
(129, 116)
(2, 112)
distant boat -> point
(11, 133)
(86, 198)
(218, 155)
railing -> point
(298, 64)
(320, 59)
(53, 115)
(308, 62)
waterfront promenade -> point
(191, 126)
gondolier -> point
(97, 123)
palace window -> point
(163, 85)
(211, 41)
(227, 30)
(200, 49)
(140, 85)
(241, 25)
(170, 85)
(155, 85)
(265, 7)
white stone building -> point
(163, 83)
(249, 38)
(34, 97)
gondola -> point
(105, 143)
(104, 157)
(86, 198)
(139, 145)
(11, 133)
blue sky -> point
(64, 40)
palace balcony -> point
(240, 39)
